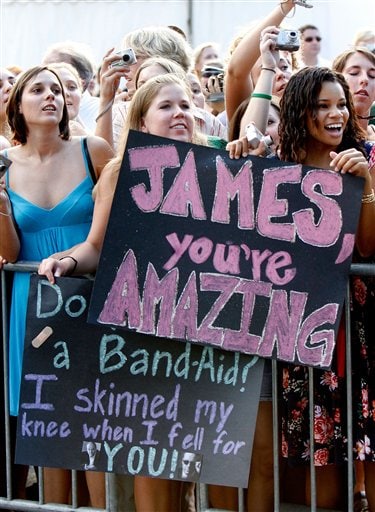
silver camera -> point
(255, 137)
(303, 3)
(287, 40)
(127, 58)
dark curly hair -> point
(300, 100)
(15, 118)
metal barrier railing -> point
(9, 503)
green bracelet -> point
(261, 95)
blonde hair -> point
(57, 66)
(139, 106)
(163, 41)
(169, 66)
(198, 50)
(363, 35)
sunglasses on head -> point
(309, 39)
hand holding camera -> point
(214, 77)
(255, 137)
(288, 40)
(215, 88)
(126, 58)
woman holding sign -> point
(45, 203)
(319, 128)
(162, 106)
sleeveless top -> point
(42, 232)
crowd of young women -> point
(315, 116)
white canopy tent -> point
(29, 27)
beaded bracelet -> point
(70, 257)
(268, 69)
(261, 95)
(368, 198)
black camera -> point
(4, 165)
(288, 40)
(127, 58)
(207, 72)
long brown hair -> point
(340, 61)
(16, 120)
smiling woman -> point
(318, 127)
(46, 202)
(163, 106)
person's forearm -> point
(104, 121)
(365, 236)
(247, 51)
(87, 257)
(9, 241)
(244, 57)
(259, 105)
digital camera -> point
(303, 3)
(287, 40)
(127, 58)
(255, 137)
(211, 70)
(217, 96)
(4, 165)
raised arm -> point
(238, 85)
(109, 82)
(258, 108)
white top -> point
(89, 110)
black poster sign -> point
(249, 255)
(97, 398)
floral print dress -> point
(329, 421)
(330, 437)
(363, 357)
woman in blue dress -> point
(46, 200)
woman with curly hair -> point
(319, 128)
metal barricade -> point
(125, 503)
(8, 502)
